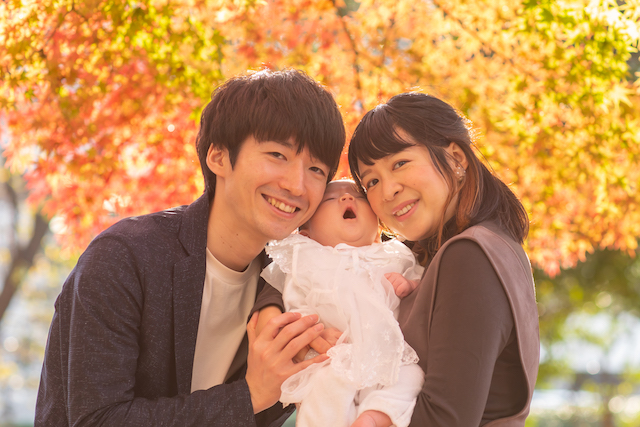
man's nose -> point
(293, 179)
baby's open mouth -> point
(348, 214)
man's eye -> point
(400, 164)
(371, 183)
(318, 170)
(277, 155)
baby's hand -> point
(402, 286)
(372, 419)
(327, 339)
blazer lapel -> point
(188, 283)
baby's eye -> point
(400, 164)
(371, 183)
(327, 199)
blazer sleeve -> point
(268, 296)
(93, 350)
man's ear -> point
(217, 159)
(457, 154)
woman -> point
(473, 319)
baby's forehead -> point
(338, 188)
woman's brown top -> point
(473, 322)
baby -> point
(336, 268)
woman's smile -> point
(404, 212)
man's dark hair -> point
(271, 106)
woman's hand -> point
(372, 419)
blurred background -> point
(100, 102)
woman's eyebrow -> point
(364, 173)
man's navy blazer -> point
(122, 340)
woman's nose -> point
(390, 189)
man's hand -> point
(402, 286)
(271, 353)
(265, 314)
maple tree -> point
(102, 97)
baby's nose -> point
(346, 196)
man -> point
(149, 327)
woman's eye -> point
(400, 164)
(371, 183)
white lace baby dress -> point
(346, 287)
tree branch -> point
(483, 42)
(22, 261)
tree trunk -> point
(21, 262)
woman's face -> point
(407, 192)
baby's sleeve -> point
(274, 276)
(414, 272)
(397, 400)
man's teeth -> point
(405, 209)
(280, 205)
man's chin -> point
(275, 235)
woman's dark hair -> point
(435, 125)
(271, 106)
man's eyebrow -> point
(284, 143)
(287, 144)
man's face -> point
(344, 216)
(270, 190)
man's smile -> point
(278, 204)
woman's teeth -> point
(405, 209)
(281, 205)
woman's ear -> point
(458, 155)
(217, 159)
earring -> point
(460, 173)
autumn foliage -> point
(100, 99)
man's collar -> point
(193, 230)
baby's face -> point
(344, 216)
